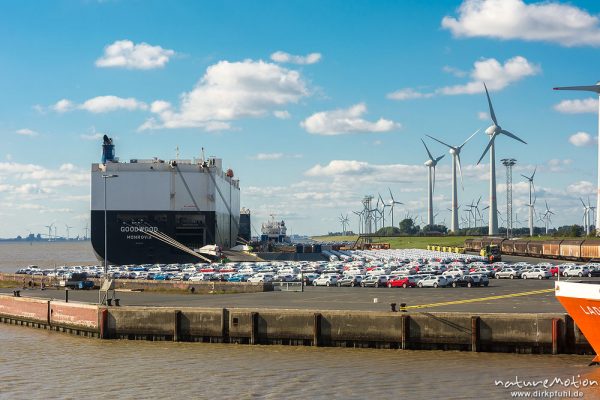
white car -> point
(536, 273)
(325, 280)
(577, 270)
(261, 277)
(433, 281)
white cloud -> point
(459, 73)
(103, 104)
(482, 115)
(341, 167)
(281, 114)
(267, 156)
(229, 91)
(126, 54)
(582, 139)
(577, 106)
(407, 94)
(27, 132)
(62, 106)
(274, 156)
(342, 121)
(547, 21)
(283, 57)
(496, 75)
(581, 188)
(91, 136)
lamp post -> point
(105, 177)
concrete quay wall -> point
(149, 285)
(510, 332)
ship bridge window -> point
(160, 218)
(189, 221)
(132, 218)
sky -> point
(313, 104)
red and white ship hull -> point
(582, 302)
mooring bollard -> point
(109, 302)
(403, 307)
(393, 305)
(117, 304)
(66, 295)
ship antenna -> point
(177, 153)
(202, 155)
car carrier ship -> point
(161, 211)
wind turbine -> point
(586, 217)
(596, 89)
(493, 131)
(384, 205)
(344, 221)
(455, 151)
(546, 216)
(532, 199)
(430, 163)
(68, 230)
(592, 209)
(360, 215)
(49, 231)
(392, 204)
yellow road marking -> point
(465, 301)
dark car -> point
(464, 281)
(350, 280)
(374, 281)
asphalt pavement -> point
(474, 300)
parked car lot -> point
(391, 269)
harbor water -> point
(43, 364)
(15, 255)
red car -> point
(405, 282)
(556, 269)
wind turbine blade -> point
(492, 114)
(433, 187)
(391, 195)
(512, 135)
(439, 141)
(460, 171)
(526, 177)
(465, 142)
(487, 147)
(592, 88)
(584, 206)
(439, 158)
(534, 194)
(428, 152)
(534, 170)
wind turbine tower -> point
(596, 89)
(455, 151)
(509, 163)
(493, 131)
(531, 199)
(430, 163)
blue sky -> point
(313, 104)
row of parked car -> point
(401, 281)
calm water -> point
(41, 364)
(48, 365)
(45, 254)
